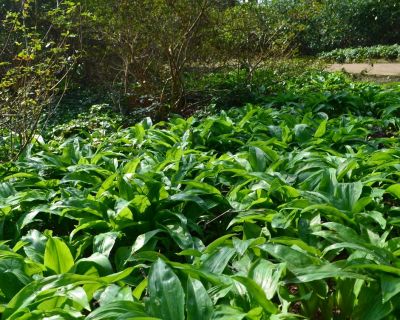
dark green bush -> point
(331, 24)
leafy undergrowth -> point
(281, 211)
(362, 54)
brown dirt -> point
(373, 69)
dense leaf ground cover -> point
(361, 54)
(277, 211)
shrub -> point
(361, 54)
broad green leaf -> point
(103, 243)
(201, 187)
(45, 289)
(115, 293)
(218, 242)
(36, 246)
(199, 305)
(297, 242)
(143, 239)
(137, 293)
(217, 261)
(166, 296)
(375, 216)
(6, 189)
(390, 287)
(120, 275)
(257, 293)
(394, 190)
(321, 129)
(119, 310)
(98, 261)
(371, 306)
(325, 271)
(257, 159)
(242, 245)
(267, 275)
(226, 312)
(57, 256)
(290, 255)
(180, 234)
(375, 267)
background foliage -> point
(362, 54)
(142, 53)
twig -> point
(217, 217)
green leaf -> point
(120, 275)
(180, 234)
(57, 256)
(267, 275)
(394, 190)
(297, 242)
(118, 310)
(115, 293)
(137, 293)
(36, 245)
(390, 287)
(218, 242)
(199, 305)
(98, 261)
(257, 293)
(143, 239)
(226, 312)
(217, 261)
(290, 255)
(321, 129)
(103, 243)
(166, 296)
(45, 289)
(375, 216)
(257, 159)
(371, 306)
